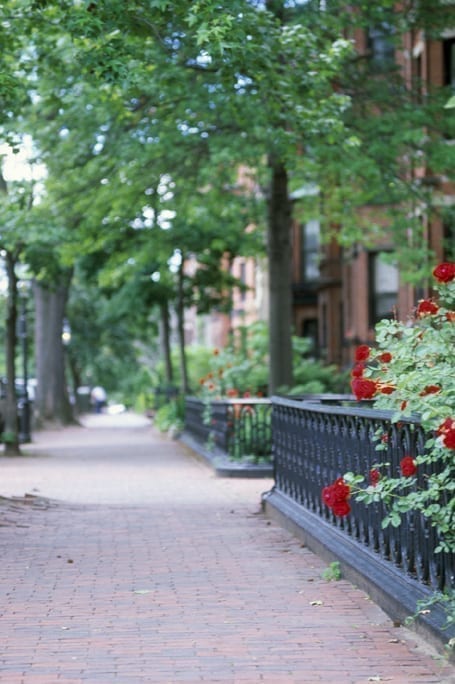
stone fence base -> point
(222, 465)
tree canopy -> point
(143, 113)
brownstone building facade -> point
(340, 294)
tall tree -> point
(243, 78)
(16, 200)
(52, 400)
(286, 72)
(11, 429)
(129, 94)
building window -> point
(418, 81)
(381, 46)
(384, 282)
(324, 329)
(309, 258)
(449, 62)
(309, 330)
(449, 241)
(243, 280)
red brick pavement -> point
(150, 569)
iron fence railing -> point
(250, 430)
(241, 428)
(313, 444)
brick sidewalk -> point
(150, 569)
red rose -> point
(375, 476)
(403, 405)
(363, 388)
(357, 370)
(427, 308)
(444, 272)
(385, 357)
(430, 389)
(387, 389)
(341, 508)
(448, 424)
(362, 352)
(447, 431)
(327, 496)
(341, 490)
(408, 466)
(449, 439)
(335, 496)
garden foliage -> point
(243, 370)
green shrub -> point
(235, 371)
(170, 416)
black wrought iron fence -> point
(208, 424)
(249, 429)
(240, 428)
(313, 444)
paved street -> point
(129, 562)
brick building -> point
(340, 294)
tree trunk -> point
(181, 330)
(165, 342)
(52, 402)
(280, 278)
(74, 371)
(11, 433)
(279, 258)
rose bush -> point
(412, 372)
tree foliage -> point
(143, 112)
